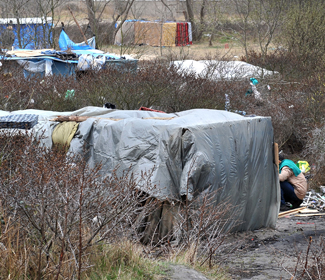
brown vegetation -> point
(57, 214)
(61, 219)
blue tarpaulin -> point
(66, 43)
(30, 33)
(80, 57)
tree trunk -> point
(92, 16)
(122, 18)
(202, 23)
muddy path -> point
(279, 253)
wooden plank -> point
(29, 53)
(309, 215)
(75, 20)
(83, 118)
(290, 212)
(276, 155)
(308, 211)
(78, 118)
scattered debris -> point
(314, 200)
(313, 205)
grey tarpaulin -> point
(192, 151)
(199, 149)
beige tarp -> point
(169, 34)
(155, 33)
(147, 33)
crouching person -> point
(293, 184)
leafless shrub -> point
(309, 264)
(291, 65)
(295, 103)
(59, 209)
(205, 226)
(155, 84)
(193, 231)
(314, 150)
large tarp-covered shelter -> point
(188, 153)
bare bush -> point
(205, 226)
(60, 208)
(155, 84)
(193, 230)
(309, 264)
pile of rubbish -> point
(315, 200)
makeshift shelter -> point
(221, 70)
(29, 33)
(70, 59)
(189, 153)
(154, 33)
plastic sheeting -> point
(125, 35)
(89, 62)
(190, 152)
(34, 33)
(44, 65)
(91, 42)
(203, 150)
(66, 43)
(222, 70)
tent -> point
(154, 33)
(29, 33)
(188, 153)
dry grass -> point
(197, 51)
(123, 260)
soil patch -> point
(278, 253)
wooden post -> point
(276, 154)
(78, 26)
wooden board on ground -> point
(309, 215)
(308, 211)
(290, 212)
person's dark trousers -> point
(288, 194)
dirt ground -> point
(196, 51)
(278, 253)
